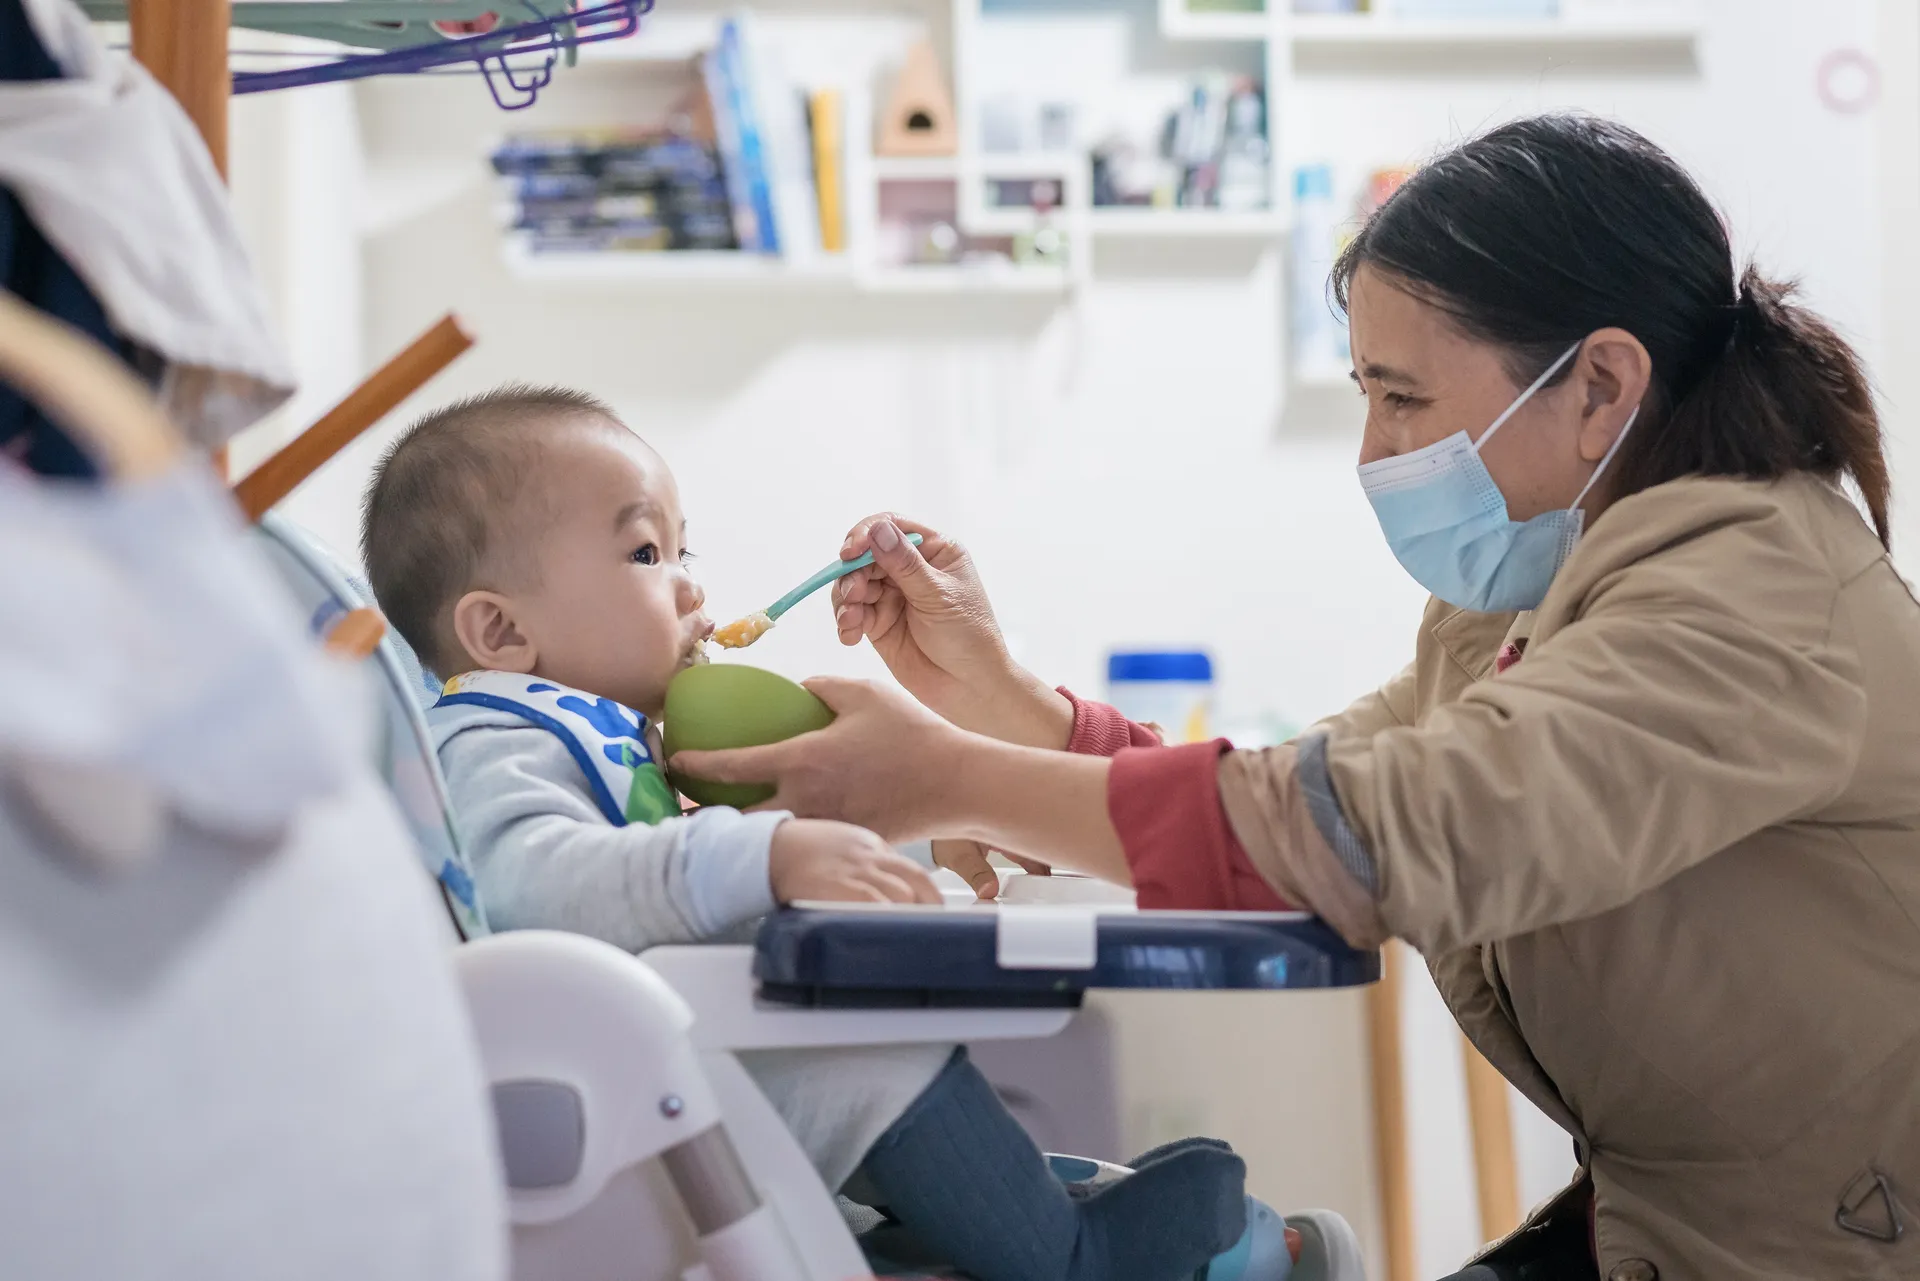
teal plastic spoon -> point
(743, 632)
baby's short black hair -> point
(440, 496)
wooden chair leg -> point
(1390, 1115)
(1495, 1175)
(366, 405)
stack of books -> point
(614, 191)
(769, 181)
(781, 149)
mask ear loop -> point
(1607, 457)
(1526, 395)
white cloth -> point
(115, 176)
(243, 1055)
(239, 1062)
(155, 659)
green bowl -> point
(717, 706)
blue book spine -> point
(753, 153)
(726, 131)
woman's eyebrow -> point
(1386, 374)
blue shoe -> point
(1260, 1254)
(1329, 1250)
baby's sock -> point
(967, 1183)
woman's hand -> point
(968, 861)
(881, 764)
(927, 616)
(893, 767)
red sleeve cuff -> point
(1181, 851)
(1099, 730)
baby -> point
(529, 545)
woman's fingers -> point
(859, 537)
(739, 765)
(968, 861)
(841, 694)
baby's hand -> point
(814, 859)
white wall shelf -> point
(1092, 55)
(1383, 32)
(1201, 224)
(674, 268)
(722, 270)
(967, 279)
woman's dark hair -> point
(1544, 230)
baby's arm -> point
(545, 858)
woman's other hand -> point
(926, 614)
(878, 765)
(968, 861)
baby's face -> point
(610, 607)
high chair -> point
(631, 1135)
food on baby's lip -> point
(742, 632)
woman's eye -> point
(648, 555)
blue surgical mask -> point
(1447, 522)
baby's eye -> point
(687, 558)
(648, 555)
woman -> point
(1648, 797)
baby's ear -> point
(485, 625)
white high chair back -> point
(326, 591)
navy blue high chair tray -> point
(953, 958)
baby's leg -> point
(839, 1101)
(965, 1180)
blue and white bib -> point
(608, 740)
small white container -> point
(1169, 688)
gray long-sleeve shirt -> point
(544, 857)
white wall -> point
(1124, 467)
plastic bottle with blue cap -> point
(1171, 689)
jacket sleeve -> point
(1685, 708)
(545, 858)
(1099, 730)
(1390, 705)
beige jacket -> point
(1666, 872)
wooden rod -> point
(1495, 1175)
(1390, 1115)
(184, 44)
(366, 405)
(357, 634)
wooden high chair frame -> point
(184, 44)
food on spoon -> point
(742, 632)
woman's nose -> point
(1373, 445)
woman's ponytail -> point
(1537, 234)
(1784, 393)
